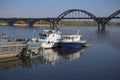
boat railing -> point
(10, 43)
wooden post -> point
(42, 51)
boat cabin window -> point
(68, 37)
(43, 36)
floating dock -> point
(14, 48)
(32, 51)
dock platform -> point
(12, 49)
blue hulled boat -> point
(72, 41)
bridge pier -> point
(10, 24)
(101, 27)
(52, 22)
(51, 25)
(30, 24)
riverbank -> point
(68, 23)
(36, 25)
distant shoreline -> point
(37, 25)
(5, 24)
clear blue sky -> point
(53, 8)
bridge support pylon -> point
(30, 24)
(53, 25)
(10, 24)
(101, 27)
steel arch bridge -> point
(69, 14)
(75, 14)
(112, 16)
(82, 14)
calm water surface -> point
(99, 62)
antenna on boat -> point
(13, 35)
(33, 33)
(78, 31)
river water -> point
(101, 61)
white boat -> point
(54, 38)
(72, 41)
(49, 38)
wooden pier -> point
(12, 49)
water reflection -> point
(109, 37)
(10, 63)
(50, 58)
(70, 54)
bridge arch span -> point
(113, 15)
(62, 15)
